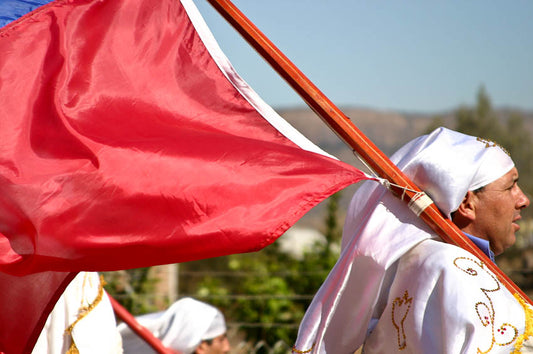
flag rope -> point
(417, 203)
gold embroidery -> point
(400, 331)
(489, 143)
(506, 333)
(502, 332)
(294, 350)
(82, 312)
(528, 332)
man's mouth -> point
(515, 222)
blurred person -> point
(82, 321)
(187, 326)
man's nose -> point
(523, 200)
(226, 345)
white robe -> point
(94, 333)
(444, 300)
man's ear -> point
(201, 348)
(466, 213)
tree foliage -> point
(479, 120)
(131, 287)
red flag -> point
(127, 140)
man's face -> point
(498, 207)
(219, 345)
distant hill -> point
(387, 129)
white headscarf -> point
(380, 228)
(183, 326)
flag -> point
(128, 140)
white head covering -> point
(183, 326)
(446, 164)
(379, 229)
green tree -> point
(318, 261)
(333, 231)
(517, 140)
(131, 287)
(480, 120)
(435, 123)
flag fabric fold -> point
(128, 140)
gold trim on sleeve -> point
(82, 312)
(528, 332)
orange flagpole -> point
(352, 136)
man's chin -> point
(510, 242)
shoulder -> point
(438, 255)
(430, 247)
(444, 297)
(445, 266)
(442, 277)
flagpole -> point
(352, 136)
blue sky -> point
(416, 56)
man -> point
(398, 288)
(188, 326)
